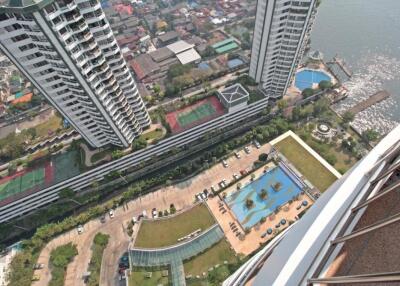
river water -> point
(366, 33)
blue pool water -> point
(262, 208)
(234, 63)
(306, 78)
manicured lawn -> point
(310, 167)
(98, 156)
(51, 125)
(215, 255)
(165, 232)
(138, 278)
(155, 134)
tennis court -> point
(195, 114)
(60, 167)
(21, 182)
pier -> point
(339, 69)
(374, 99)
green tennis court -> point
(198, 113)
(22, 183)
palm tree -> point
(263, 194)
(277, 186)
(239, 185)
(249, 203)
(252, 177)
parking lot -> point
(182, 195)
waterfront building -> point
(281, 32)
(67, 50)
(349, 236)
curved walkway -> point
(176, 254)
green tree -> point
(370, 135)
(347, 117)
(321, 106)
(139, 143)
(116, 154)
(325, 84)
(66, 193)
(307, 92)
(101, 239)
(263, 157)
(249, 203)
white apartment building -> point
(281, 32)
(67, 50)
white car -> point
(203, 196)
(212, 189)
(258, 146)
(237, 155)
(247, 150)
(224, 163)
(235, 176)
(154, 213)
(80, 229)
(111, 213)
(134, 220)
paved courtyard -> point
(181, 195)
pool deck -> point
(253, 239)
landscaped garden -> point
(169, 230)
(216, 255)
(149, 277)
(307, 164)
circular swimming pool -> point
(307, 78)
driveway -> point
(181, 195)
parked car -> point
(198, 197)
(237, 155)
(103, 219)
(203, 196)
(258, 146)
(224, 180)
(224, 163)
(111, 213)
(80, 229)
(38, 266)
(205, 191)
(247, 150)
(212, 189)
(154, 213)
(235, 176)
(144, 214)
(134, 220)
(243, 172)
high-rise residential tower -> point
(67, 50)
(281, 32)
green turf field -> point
(198, 113)
(22, 183)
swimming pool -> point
(306, 78)
(262, 207)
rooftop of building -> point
(168, 36)
(188, 56)
(161, 54)
(179, 47)
(234, 92)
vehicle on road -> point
(224, 163)
(80, 229)
(111, 213)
